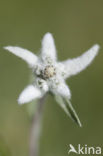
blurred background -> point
(76, 26)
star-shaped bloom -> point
(50, 74)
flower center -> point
(49, 71)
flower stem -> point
(35, 129)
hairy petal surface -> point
(24, 54)
(42, 84)
(29, 93)
(62, 90)
(48, 51)
(76, 65)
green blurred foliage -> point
(4, 150)
(76, 26)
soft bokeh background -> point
(76, 26)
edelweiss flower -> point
(50, 75)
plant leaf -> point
(66, 105)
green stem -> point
(35, 129)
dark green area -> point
(76, 26)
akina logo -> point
(85, 150)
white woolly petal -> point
(76, 65)
(42, 84)
(62, 89)
(24, 54)
(30, 93)
(48, 50)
